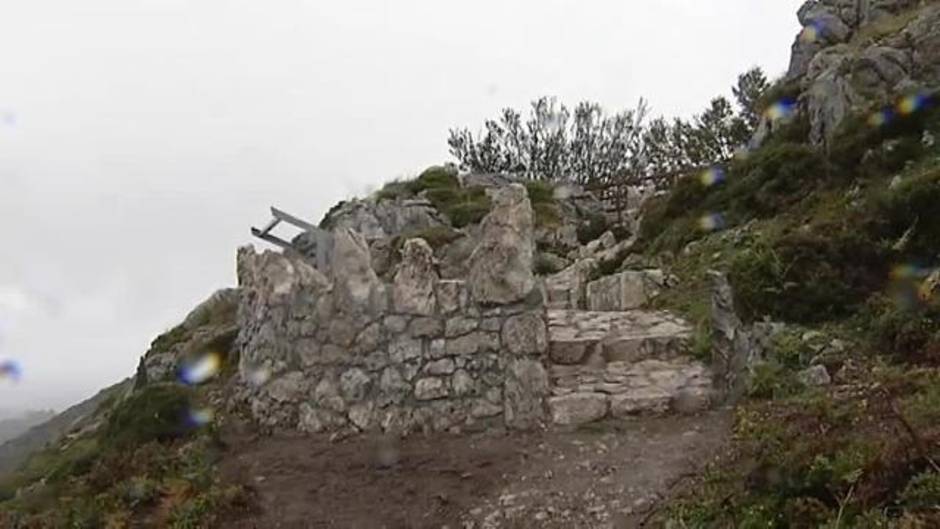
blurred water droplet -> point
(811, 33)
(712, 176)
(201, 369)
(782, 109)
(912, 103)
(199, 417)
(880, 118)
(10, 369)
(712, 222)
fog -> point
(139, 139)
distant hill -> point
(16, 425)
(15, 450)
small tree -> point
(751, 86)
(587, 147)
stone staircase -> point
(622, 364)
(608, 356)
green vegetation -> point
(827, 229)
(147, 465)
(592, 228)
(436, 237)
(822, 240)
(155, 413)
(462, 205)
(822, 459)
(144, 459)
(542, 196)
(545, 265)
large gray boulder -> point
(627, 290)
(578, 408)
(378, 218)
(526, 389)
(357, 288)
(413, 288)
(501, 265)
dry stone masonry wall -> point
(347, 349)
(350, 352)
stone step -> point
(583, 394)
(599, 338)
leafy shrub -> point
(781, 90)
(436, 237)
(772, 381)
(167, 340)
(767, 182)
(807, 275)
(326, 223)
(923, 491)
(545, 265)
(155, 413)
(544, 206)
(434, 178)
(540, 192)
(908, 334)
(393, 191)
(858, 149)
(592, 228)
(913, 205)
(467, 207)
(755, 274)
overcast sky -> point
(139, 139)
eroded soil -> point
(610, 475)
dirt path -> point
(608, 476)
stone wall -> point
(350, 352)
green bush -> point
(394, 191)
(434, 178)
(326, 223)
(923, 491)
(155, 413)
(756, 275)
(781, 90)
(910, 334)
(436, 236)
(773, 381)
(167, 340)
(767, 182)
(807, 276)
(544, 265)
(913, 205)
(544, 206)
(861, 150)
(592, 228)
(467, 207)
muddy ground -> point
(607, 475)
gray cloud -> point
(140, 139)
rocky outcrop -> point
(376, 218)
(844, 62)
(209, 328)
(567, 289)
(737, 348)
(501, 264)
(627, 290)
